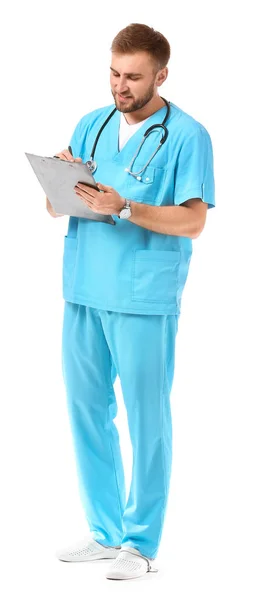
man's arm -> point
(187, 220)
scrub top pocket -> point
(69, 260)
(155, 276)
(148, 188)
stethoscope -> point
(92, 165)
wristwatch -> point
(125, 212)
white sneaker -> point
(87, 549)
(129, 564)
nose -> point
(122, 87)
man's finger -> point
(84, 188)
(65, 155)
(68, 155)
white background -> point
(55, 68)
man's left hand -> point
(106, 202)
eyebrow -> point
(136, 74)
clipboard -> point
(58, 178)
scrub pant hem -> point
(107, 545)
(109, 542)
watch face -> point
(125, 213)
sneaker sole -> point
(111, 557)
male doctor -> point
(122, 286)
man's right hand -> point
(65, 155)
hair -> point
(139, 37)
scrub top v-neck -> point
(126, 130)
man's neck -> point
(139, 115)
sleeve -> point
(194, 176)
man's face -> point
(132, 80)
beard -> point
(134, 104)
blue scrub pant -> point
(98, 345)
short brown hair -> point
(137, 37)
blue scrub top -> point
(125, 267)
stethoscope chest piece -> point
(92, 165)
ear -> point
(161, 76)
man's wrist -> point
(123, 204)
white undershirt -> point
(126, 130)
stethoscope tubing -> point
(92, 163)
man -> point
(122, 287)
